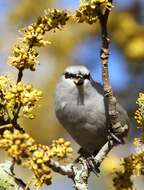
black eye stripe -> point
(70, 75)
(87, 76)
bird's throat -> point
(80, 97)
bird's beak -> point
(79, 81)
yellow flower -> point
(139, 114)
(90, 10)
(24, 57)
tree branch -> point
(79, 171)
(110, 100)
(20, 75)
(63, 170)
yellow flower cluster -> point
(39, 161)
(17, 144)
(131, 166)
(34, 34)
(23, 149)
(90, 10)
(24, 57)
(4, 81)
(139, 114)
(55, 18)
(60, 148)
(39, 164)
(122, 179)
(13, 97)
(22, 95)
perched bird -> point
(80, 108)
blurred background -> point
(78, 44)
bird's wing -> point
(123, 117)
(97, 86)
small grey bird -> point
(80, 108)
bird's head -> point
(77, 74)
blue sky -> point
(72, 4)
(4, 6)
(87, 53)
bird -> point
(80, 108)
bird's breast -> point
(83, 115)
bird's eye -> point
(87, 76)
(67, 75)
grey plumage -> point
(81, 110)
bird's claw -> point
(93, 164)
(120, 130)
(115, 137)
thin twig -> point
(17, 107)
(16, 115)
(20, 75)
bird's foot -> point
(114, 137)
(93, 164)
(118, 132)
